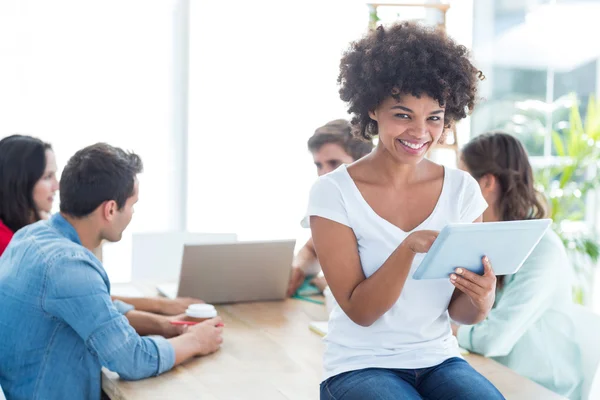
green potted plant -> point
(568, 185)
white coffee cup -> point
(200, 312)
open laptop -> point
(234, 272)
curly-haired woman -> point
(389, 335)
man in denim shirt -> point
(58, 325)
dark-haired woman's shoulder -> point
(551, 247)
(549, 267)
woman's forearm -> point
(146, 323)
(463, 311)
(375, 295)
(147, 304)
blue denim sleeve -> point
(77, 294)
(123, 307)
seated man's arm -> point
(302, 265)
(306, 258)
(77, 295)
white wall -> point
(262, 79)
(77, 72)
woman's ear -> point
(372, 115)
(488, 183)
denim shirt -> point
(58, 325)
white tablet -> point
(506, 244)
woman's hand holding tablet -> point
(481, 289)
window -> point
(75, 72)
(260, 84)
(534, 54)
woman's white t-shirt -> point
(415, 332)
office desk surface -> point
(269, 353)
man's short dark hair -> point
(96, 174)
(339, 132)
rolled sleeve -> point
(123, 307)
(82, 301)
(166, 353)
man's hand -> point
(174, 306)
(296, 279)
(198, 340)
(207, 336)
(319, 282)
(169, 330)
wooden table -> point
(269, 353)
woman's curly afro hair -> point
(406, 58)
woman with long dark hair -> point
(529, 329)
(27, 183)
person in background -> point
(529, 329)
(331, 145)
(28, 185)
(389, 335)
(58, 325)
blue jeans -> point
(453, 379)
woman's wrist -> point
(406, 247)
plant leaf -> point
(575, 118)
(566, 175)
(558, 144)
(592, 119)
(592, 249)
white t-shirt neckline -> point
(366, 204)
